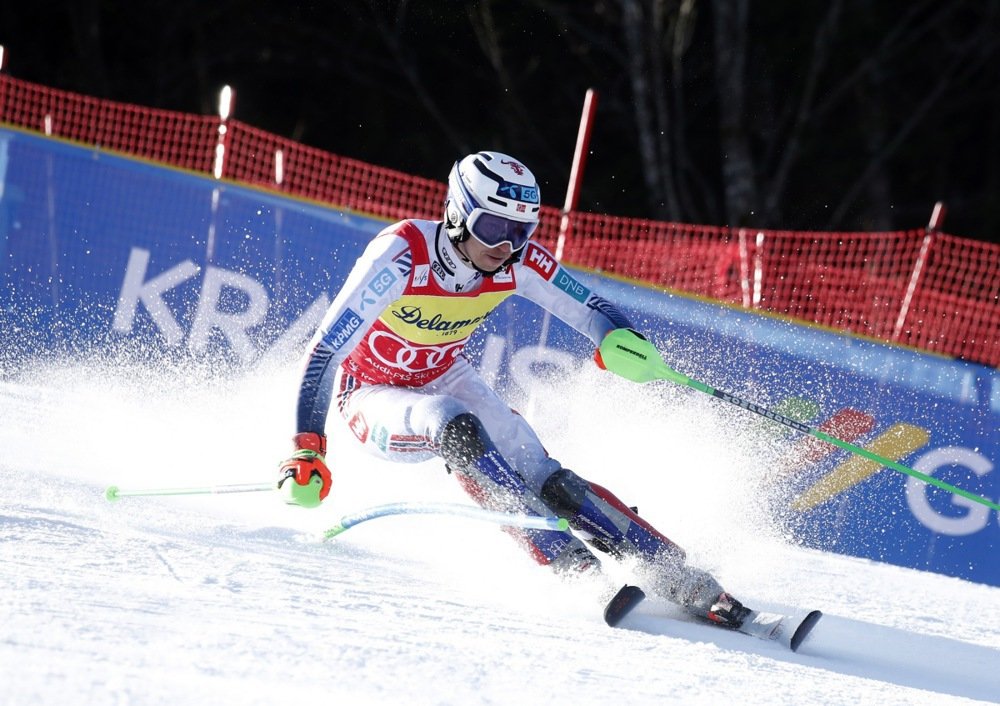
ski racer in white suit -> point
(388, 354)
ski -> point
(805, 627)
(777, 627)
(627, 598)
(774, 627)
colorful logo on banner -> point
(895, 443)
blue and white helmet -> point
(493, 198)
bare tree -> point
(731, 34)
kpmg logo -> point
(343, 329)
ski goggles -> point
(492, 230)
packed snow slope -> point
(232, 599)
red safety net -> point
(920, 288)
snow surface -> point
(232, 599)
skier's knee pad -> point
(565, 492)
(462, 440)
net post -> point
(932, 229)
(576, 171)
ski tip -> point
(627, 598)
(804, 628)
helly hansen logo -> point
(540, 261)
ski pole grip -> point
(631, 356)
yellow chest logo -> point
(428, 319)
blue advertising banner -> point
(100, 252)
(99, 249)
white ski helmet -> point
(494, 198)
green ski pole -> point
(634, 358)
(114, 493)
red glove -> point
(307, 468)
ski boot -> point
(728, 612)
(701, 595)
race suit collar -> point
(453, 271)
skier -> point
(389, 355)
